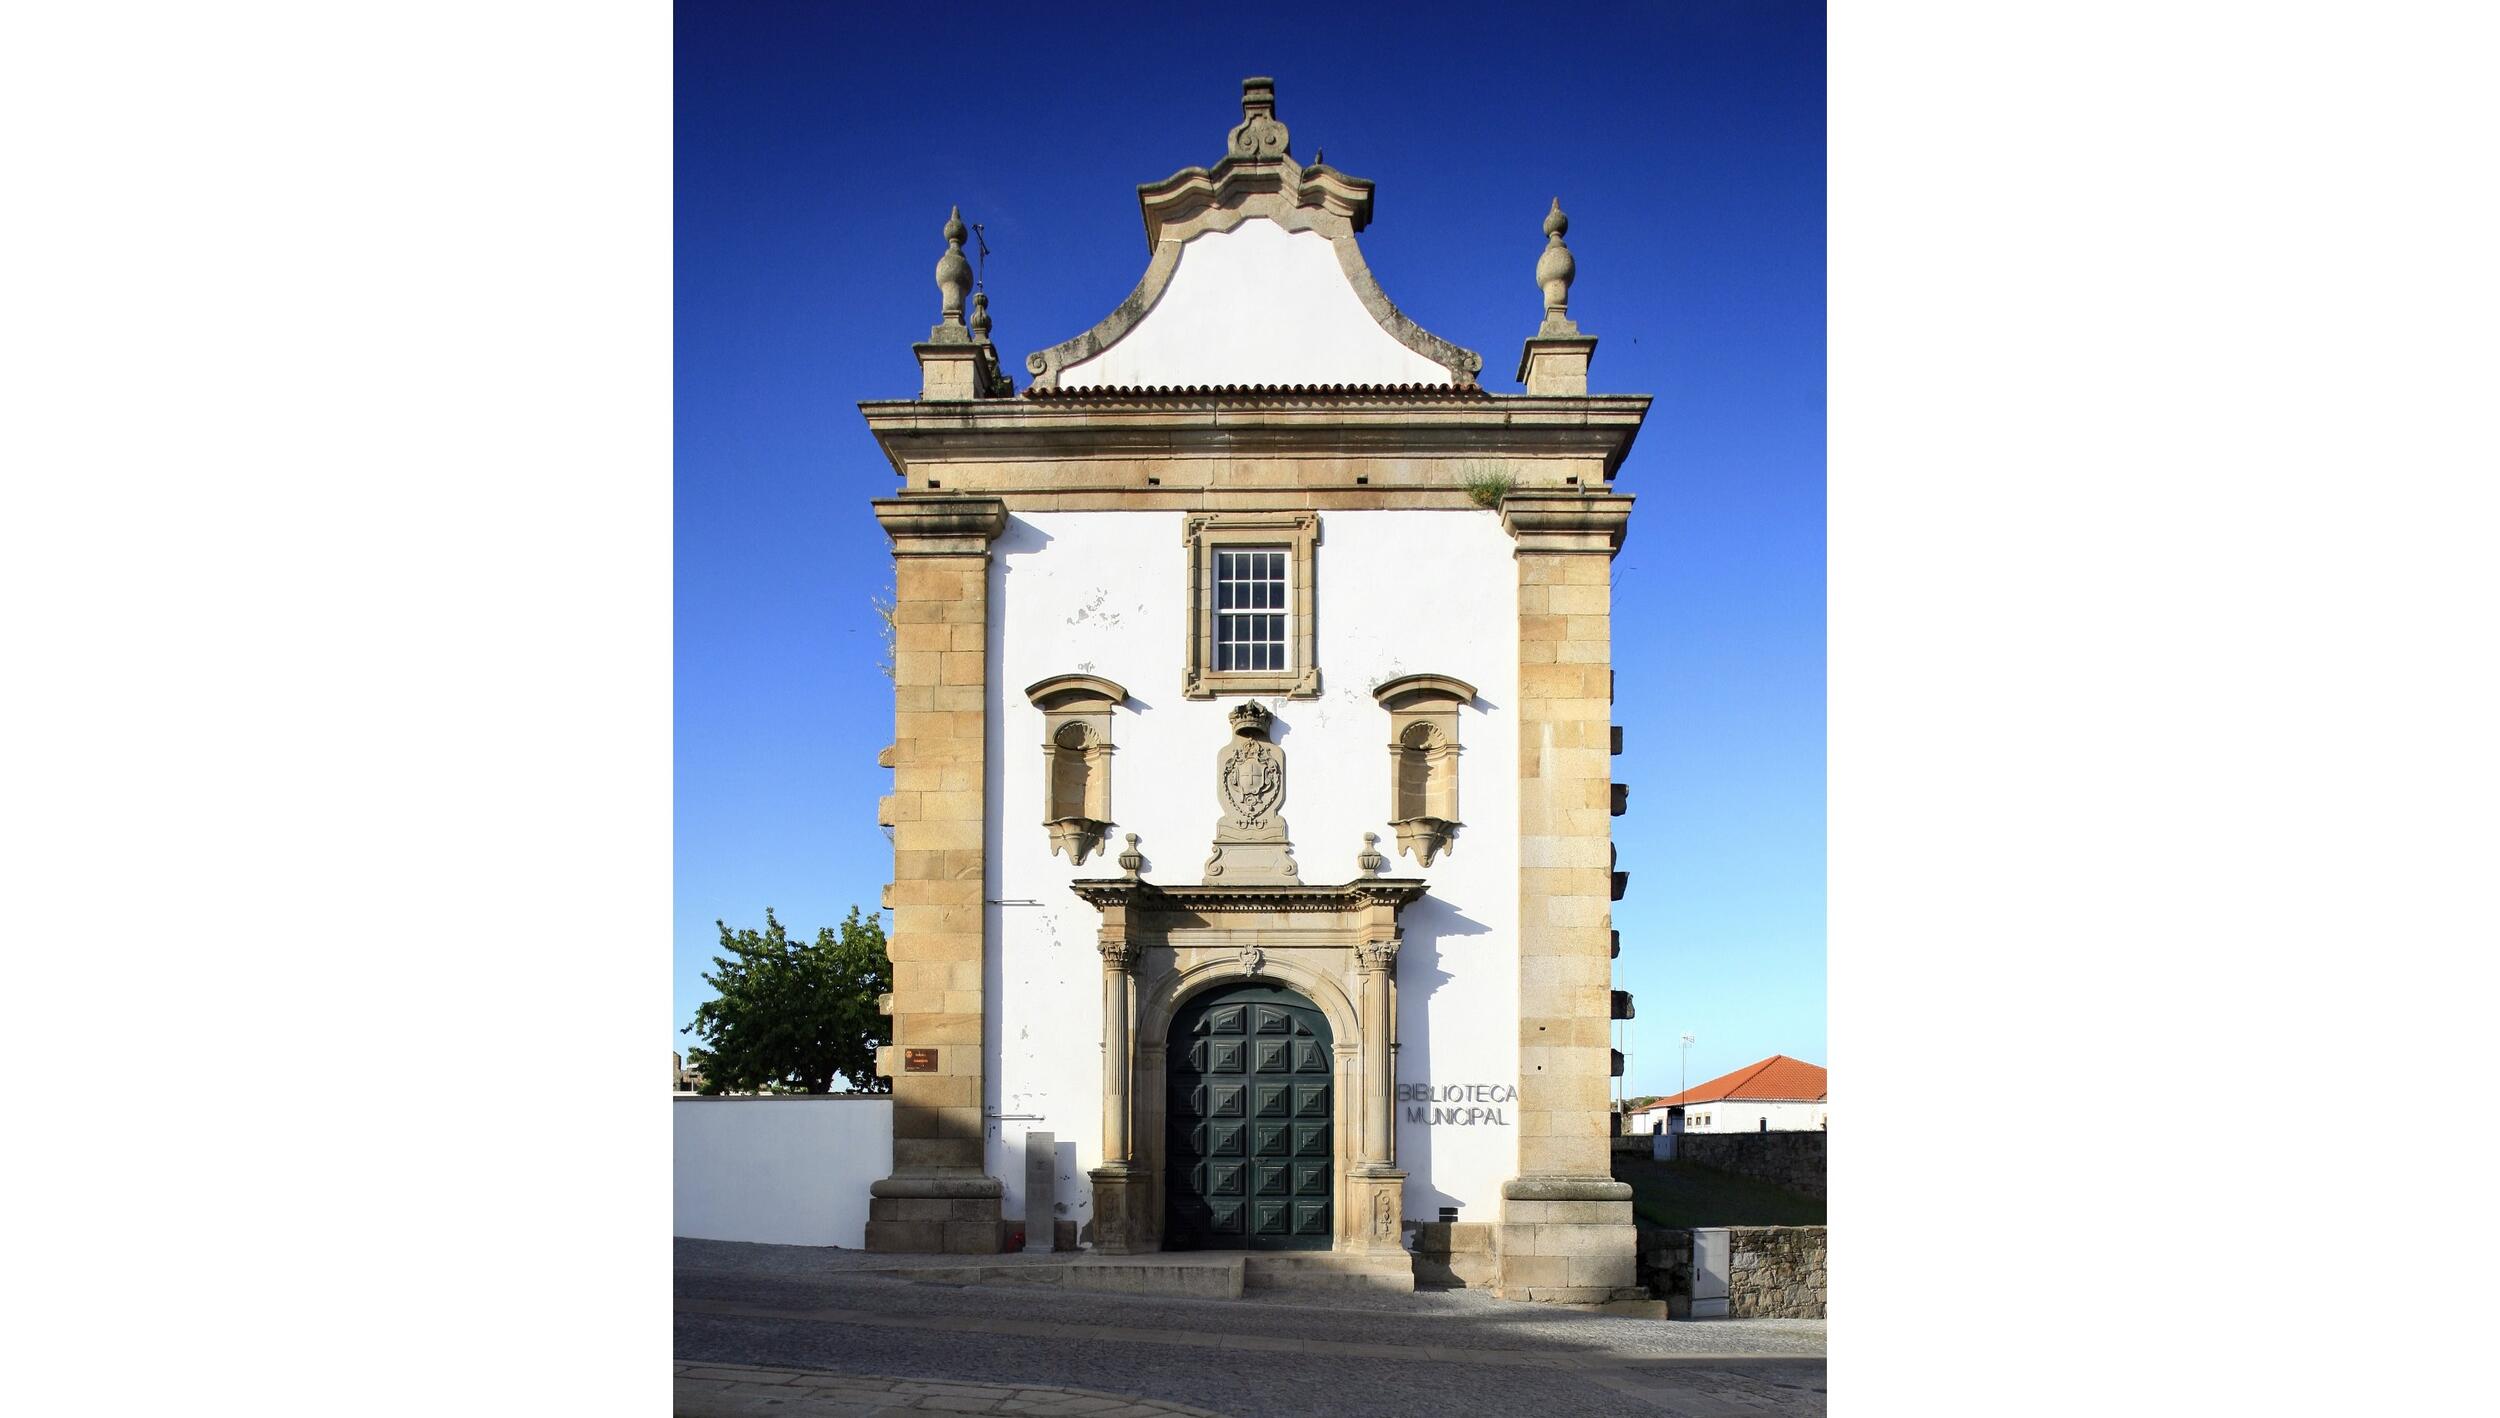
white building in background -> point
(1779, 1094)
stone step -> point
(1215, 1276)
(1329, 1270)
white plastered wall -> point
(1739, 1115)
(781, 1171)
(1399, 592)
(1257, 305)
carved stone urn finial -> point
(1132, 861)
(981, 317)
(1370, 859)
(954, 273)
(1554, 272)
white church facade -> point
(1252, 766)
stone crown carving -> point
(1252, 718)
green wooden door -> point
(1248, 1133)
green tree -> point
(790, 1016)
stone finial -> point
(1259, 134)
(954, 282)
(1132, 861)
(1370, 859)
(1554, 272)
(1555, 359)
(981, 317)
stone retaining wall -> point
(1776, 1272)
(1746, 1272)
(1789, 1159)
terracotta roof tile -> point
(1260, 391)
(1778, 1078)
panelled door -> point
(1248, 1131)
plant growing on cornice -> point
(1486, 484)
(883, 604)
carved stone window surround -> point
(1297, 533)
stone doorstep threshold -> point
(1216, 1275)
(696, 1380)
(1220, 1275)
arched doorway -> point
(1249, 1134)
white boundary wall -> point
(790, 1171)
(1747, 1115)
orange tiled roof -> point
(1778, 1078)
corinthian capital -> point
(1120, 955)
(1378, 954)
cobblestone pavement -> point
(1285, 1353)
(724, 1390)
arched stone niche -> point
(1076, 760)
(1423, 760)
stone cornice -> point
(1567, 522)
(941, 526)
(1179, 899)
(923, 440)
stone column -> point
(1379, 1092)
(1122, 1200)
(940, 1197)
(1567, 1232)
(1119, 962)
(1376, 1192)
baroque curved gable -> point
(1256, 278)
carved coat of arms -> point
(1253, 781)
(1251, 845)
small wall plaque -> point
(919, 1060)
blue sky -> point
(818, 149)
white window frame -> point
(1282, 610)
